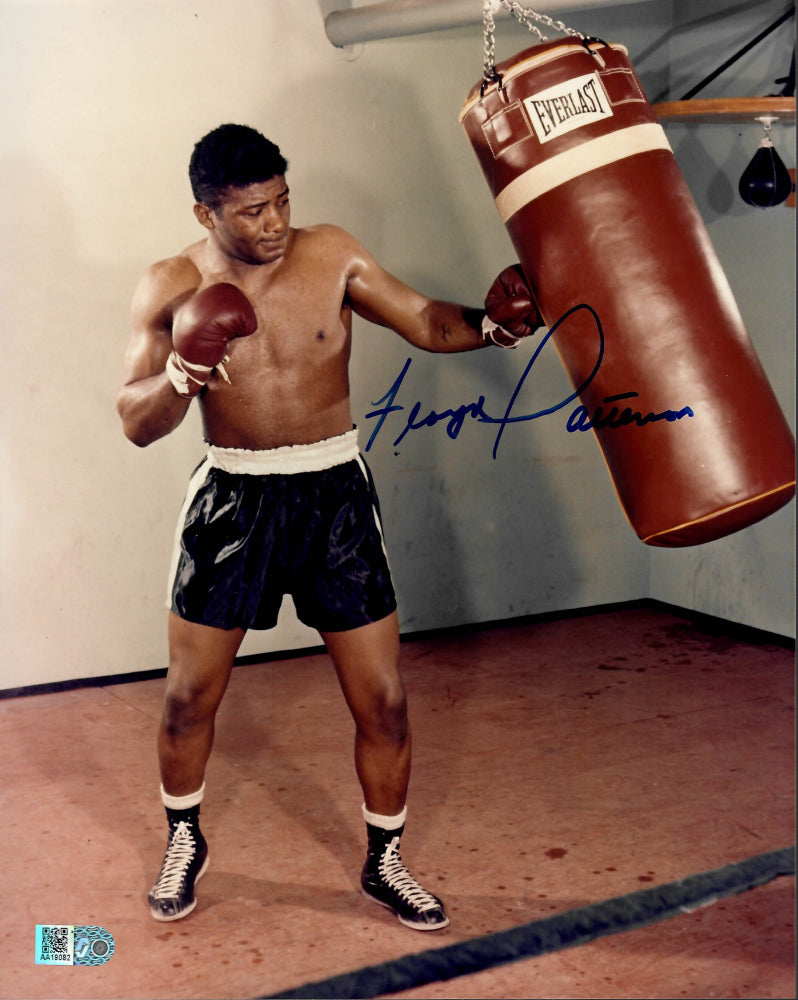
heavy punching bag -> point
(600, 216)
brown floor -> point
(557, 764)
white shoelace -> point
(179, 855)
(400, 879)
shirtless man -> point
(255, 321)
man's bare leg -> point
(367, 663)
(200, 662)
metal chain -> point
(521, 14)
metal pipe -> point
(396, 18)
(737, 55)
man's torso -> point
(289, 380)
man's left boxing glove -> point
(511, 311)
(201, 331)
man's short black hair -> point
(232, 156)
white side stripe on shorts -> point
(194, 484)
(374, 512)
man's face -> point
(252, 223)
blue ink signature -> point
(579, 420)
(456, 418)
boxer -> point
(254, 321)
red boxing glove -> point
(511, 310)
(201, 331)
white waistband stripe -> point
(580, 160)
(288, 459)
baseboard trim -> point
(707, 623)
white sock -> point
(182, 801)
(385, 822)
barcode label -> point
(65, 944)
(54, 944)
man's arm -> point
(429, 324)
(147, 402)
(436, 325)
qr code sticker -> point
(54, 944)
(67, 944)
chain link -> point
(522, 14)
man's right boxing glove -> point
(201, 330)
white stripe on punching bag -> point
(576, 162)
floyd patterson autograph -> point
(608, 414)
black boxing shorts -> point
(301, 520)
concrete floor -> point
(557, 764)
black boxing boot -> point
(185, 861)
(386, 880)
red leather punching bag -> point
(600, 216)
